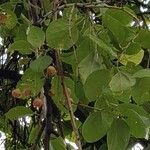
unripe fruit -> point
(51, 71)
(16, 93)
(27, 92)
(38, 103)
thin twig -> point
(89, 5)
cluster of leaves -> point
(104, 50)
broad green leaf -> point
(41, 63)
(20, 32)
(36, 36)
(90, 64)
(102, 34)
(79, 90)
(133, 48)
(138, 124)
(103, 45)
(94, 122)
(58, 144)
(96, 83)
(123, 96)
(33, 134)
(139, 109)
(142, 73)
(118, 136)
(84, 48)
(21, 46)
(136, 58)
(32, 80)
(18, 112)
(11, 19)
(146, 107)
(122, 16)
(121, 81)
(106, 100)
(143, 38)
(122, 34)
(61, 35)
(130, 68)
(141, 90)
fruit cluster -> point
(18, 94)
(37, 102)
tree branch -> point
(66, 95)
(89, 5)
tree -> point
(75, 70)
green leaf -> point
(32, 80)
(142, 73)
(90, 64)
(106, 100)
(18, 112)
(136, 58)
(96, 83)
(139, 109)
(58, 144)
(21, 46)
(41, 63)
(118, 135)
(85, 47)
(143, 38)
(141, 90)
(120, 15)
(11, 19)
(146, 107)
(138, 124)
(79, 90)
(121, 81)
(94, 122)
(123, 96)
(61, 35)
(122, 34)
(20, 32)
(33, 134)
(103, 45)
(36, 36)
(133, 48)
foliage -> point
(97, 94)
